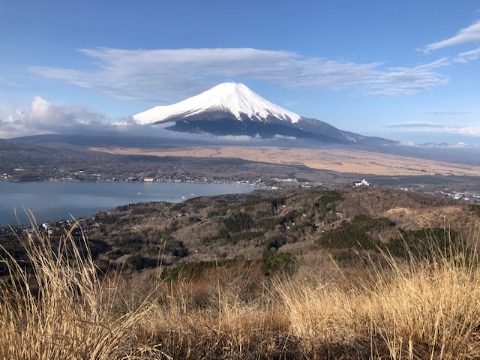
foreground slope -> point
(338, 298)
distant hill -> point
(297, 221)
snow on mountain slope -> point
(234, 98)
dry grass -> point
(422, 309)
(60, 309)
(341, 160)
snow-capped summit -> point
(232, 98)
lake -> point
(61, 200)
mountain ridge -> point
(232, 109)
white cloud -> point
(237, 138)
(283, 137)
(466, 130)
(469, 34)
(430, 127)
(43, 115)
(459, 145)
(44, 118)
(403, 80)
(166, 76)
(468, 56)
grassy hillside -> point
(291, 274)
(60, 308)
(261, 224)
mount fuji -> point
(234, 109)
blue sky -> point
(402, 69)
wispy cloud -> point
(290, 103)
(404, 80)
(414, 124)
(6, 81)
(424, 126)
(469, 34)
(460, 145)
(446, 112)
(466, 130)
(164, 76)
(468, 56)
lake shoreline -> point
(50, 200)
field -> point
(339, 160)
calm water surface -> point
(62, 200)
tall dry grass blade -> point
(58, 308)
